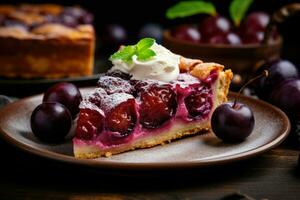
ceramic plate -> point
(271, 128)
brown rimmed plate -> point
(271, 128)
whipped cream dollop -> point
(164, 66)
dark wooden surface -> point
(272, 175)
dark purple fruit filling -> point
(139, 85)
(97, 97)
(115, 85)
(149, 104)
(199, 102)
(122, 118)
(66, 20)
(14, 23)
(158, 105)
(73, 16)
(119, 74)
(89, 124)
(70, 16)
(81, 15)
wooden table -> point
(272, 175)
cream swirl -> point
(164, 66)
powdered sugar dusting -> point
(95, 98)
(100, 100)
(91, 106)
(114, 100)
(114, 85)
(185, 80)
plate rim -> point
(109, 164)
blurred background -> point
(132, 15)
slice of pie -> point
(126, 112)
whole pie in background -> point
(45, 41)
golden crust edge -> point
(88, 62)
(223, 85)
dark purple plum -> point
(217, 39)
(253, 28)
(232, 123)
(255, 38)
(229, 38)
(199, 103)
(255, 22)
(122, 118)
(151, 30)
(187, 33)
(113, 36)
(118, 73)
(279, 71)
(158, 105)
(287, 97)
(51, 122)
(115, 85)
(233, 38)
(67, 94)
(214, 25)
(89, 124)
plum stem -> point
(264, 73)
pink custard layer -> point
(108, 139)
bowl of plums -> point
(242, 41)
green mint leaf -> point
(145, 43)
(189, 8)
(145, 54)
(141, 50)
(238, 9)
(124, 54)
